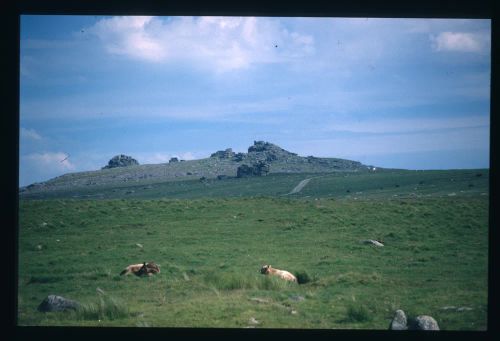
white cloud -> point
(50, 161)
(459, 42)
(30, 134)
(223, 43)
(37, 167)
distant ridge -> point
(221, 164)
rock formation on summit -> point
(121, 161)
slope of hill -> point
(354, 185)
(221, 163)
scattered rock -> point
(39, 247)
(451, 307)
(222, 177)
(373, 242)
(399, 321)
(57, 303)
(423, 322)
(121, 161)
(459, 309)
(297, 298)
(139, 245)
(259, 300)
(252, 320)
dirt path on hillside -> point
(299, 187)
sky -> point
(398, 93)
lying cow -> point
(267, 269)
(149, 269)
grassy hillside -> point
(221, 163)
(210, 250)
(382, 183)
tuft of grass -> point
(236, 281)
(273, 283)
(303, 277)
(106, 308)
(229, 281)
(357, 312)
(44, 279)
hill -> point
(220, 164)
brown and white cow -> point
(268, 270)
(149, 268)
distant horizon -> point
(393, 93)
(236, 151)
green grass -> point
(353, 185)
(210, 251)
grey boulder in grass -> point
(57, 303)
(399, 321)
(424, 322)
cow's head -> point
(265, 269)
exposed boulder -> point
(57, 303)
(261, 168)
(261, 146)
(423, 322)
(224, 154)
(121, 161)
(258, 169)
(244, 171)
(239, 157)
(373, 242)
(399, 321)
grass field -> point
(380, 184)
(210, 248)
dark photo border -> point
(477, 9)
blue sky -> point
(405, 93)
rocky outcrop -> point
(224, 154)
(239, 157)
(121, 161)
(269, 152)
(57, 303)
(267, 156)
(258, 169)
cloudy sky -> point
(405, 93)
